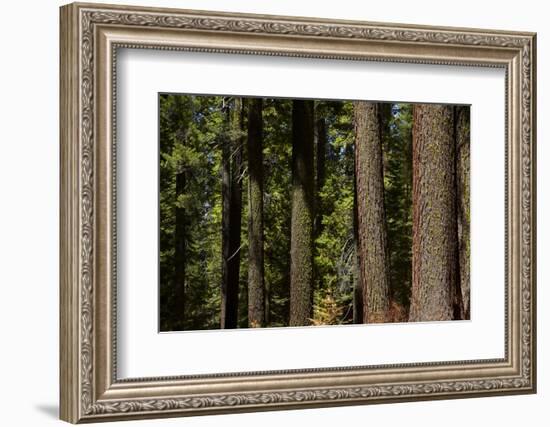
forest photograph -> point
(277, 212)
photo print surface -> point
(280, 212)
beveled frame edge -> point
(89, 391)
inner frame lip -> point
(458, 364)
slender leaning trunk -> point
(301, 240)
(256, 290)
(434, 257)
(371, 216)
(231, 215)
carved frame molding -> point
(90, 36)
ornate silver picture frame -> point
(91, 34)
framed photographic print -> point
(267, 212)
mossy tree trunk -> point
(231, 213)
(463, 202)
(371, 217)
(434, 256)
(256, 291)
(301, 240)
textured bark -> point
(358, 281)
(231, 216)
(434, 257)
(371, 217)
(256, 291)
(180, 249)
(301, 241)
(463, 203)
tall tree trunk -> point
(256, 290)
(371, 216)
(237, 143)
(180, 251)
(301, 241)
(231, 214)
(434, 257)
(463, 203)
(226, 318)
(358, 281)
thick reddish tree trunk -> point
(434, 257)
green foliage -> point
(189, 129)
(277, 207)
(397, 149)
(192, 129)
(326, 310)
(335, 249)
